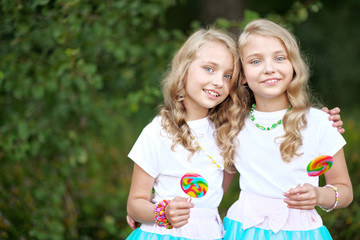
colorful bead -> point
(336, 198)
(208, 155)
(252, 117)
(159, 214)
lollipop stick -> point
(189, 199)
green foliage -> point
(333, 50)
(298, 13)
(70, 73)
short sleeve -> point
(331, 141)
(145, 151)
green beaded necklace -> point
(258, 125)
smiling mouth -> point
(212, 93)
(271, 81)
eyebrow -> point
(259, 54)
(215, 64)
(209, 62)
(252, 55)
(281, 52)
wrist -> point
(336, 198)
(318, 195)
(160, 216)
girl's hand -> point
(303, 196)
(335, 117)
(177, 211)
(132, 222)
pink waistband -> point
(271, 213)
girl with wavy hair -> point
(281, 135)
(191, 134)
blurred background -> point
(80, 79)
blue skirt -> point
(139, 234)
(235, 231)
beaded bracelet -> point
(159, 215)
(336, 198)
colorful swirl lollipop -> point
(319, 165)
(194, 185)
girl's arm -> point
(141, 209)
(306, 196)
(337, 176)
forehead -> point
(215, 51)
(259, 44)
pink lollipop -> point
(319, 165)
(194, 185)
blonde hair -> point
(173, 111)
(298, 90)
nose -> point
(269, 68)
(218, 80)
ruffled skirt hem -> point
(139, 234)
(234, 231)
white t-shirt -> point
(152, 152)
(258, 159)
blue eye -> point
(280, 58)
(209, 69)
(228, 76)
(255, 62)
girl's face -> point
(208, 80)
(268, 72)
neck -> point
(195, 116)
(271, 105)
